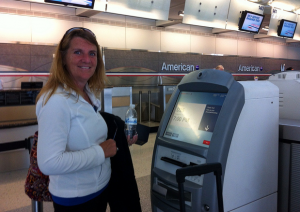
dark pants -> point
(98, 204)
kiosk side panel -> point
(252, 164)
(221, 141)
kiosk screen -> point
(194, 117)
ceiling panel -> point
(152, 9)
(206, 13)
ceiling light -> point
(263, 2)
(181, 13)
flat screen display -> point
(194, 117)
(77, 3)
(250, 22)
(286, 28)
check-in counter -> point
(116, 100)
(289, 166)
(289, 140)
(165, 93)
(17, 122)
(121, 99)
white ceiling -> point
(295, 3)
(177, 5)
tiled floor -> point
(13, 198)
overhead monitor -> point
(76, 3)
(286, 28)
(194, 117)
(250, 21)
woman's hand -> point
(133, 140)
(109, 147)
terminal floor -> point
(13, 198)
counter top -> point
(17, 123)
(289, 122)
(19, 90)
(289, 130)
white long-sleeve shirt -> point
(70, 132)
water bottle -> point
(130, 121)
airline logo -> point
(262, 8)
(289, 33)
(250, 68)
(177, 67)
(253, 26)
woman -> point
(72, 147)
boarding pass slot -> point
(177, 163)
(171, 193)
(174, 162)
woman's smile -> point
(81, 60)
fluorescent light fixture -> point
(217, 54)
(264, 2)
(181, 13)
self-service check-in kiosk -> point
(211, 118)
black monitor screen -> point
(286, 28)
(77, 3)
(28, 85)
(194, 117)
(250, 22)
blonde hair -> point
(60, 76)
(220, 67)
